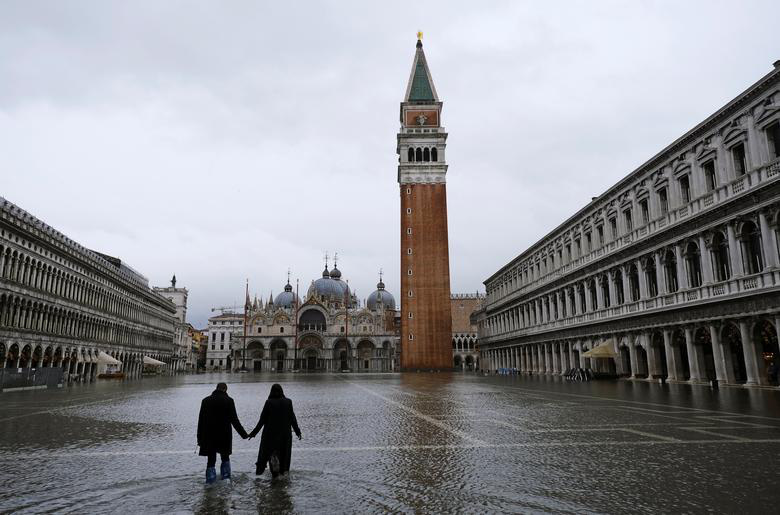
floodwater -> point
(415, 443)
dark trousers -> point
(212, 458)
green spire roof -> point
(421, 87)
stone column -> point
(653, 369)
(556, 369)
(671, 363)
(721, 371)
(626, 275)
(612, 287)
(632, 353)
(735, 255)
(588, 299)
(768, 244)
(660, 279)
(642, 279)
(693, 355)
(753, 358)
(579, 308)
(682, 275)
(564, 354)
(706, 261)
(599, 294)
(569, 303)
(572, 364)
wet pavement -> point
(399, 443)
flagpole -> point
(346, 322)
(296, 324)
(246, 310)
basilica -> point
(329, 329)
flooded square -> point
(399, 443)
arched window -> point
(583, 306)
(410, 155)
(652, 277)
(604, 282)
(720, 257)
(434, 154)
(633, 283)
(670, 271)
(619, 292)
(418, 154)
(693, 264)
(751, 248)
(594, 300)
(426, 155)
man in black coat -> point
(277, 421)
(217, 414)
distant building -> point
(223, 333)
(465, 355)
(64, 305)
(183, 359)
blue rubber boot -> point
(225, 469)
(211, 475)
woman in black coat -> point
(277, 422)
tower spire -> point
(420, 87)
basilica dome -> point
(330, 285)
(380, 296)
(286, 299)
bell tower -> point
(426, 318)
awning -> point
(108, 360)
(152, 361)
(604, 350)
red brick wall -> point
(429, 283)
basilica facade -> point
(328, 330)
(673, 273)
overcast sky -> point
(229, 140)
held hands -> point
(299, 436)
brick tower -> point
(426, 319)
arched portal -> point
(25, 357)
(12, 356)
(680, 349)
(309, 357)
(765, 338)
(657, 342)
(706, 357)
(278, 354)
(457, 362)
(341, 354)
(733, 354)
(255, 352)
(641, 361)
(625, 360)
(365, 353)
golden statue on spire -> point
(419, 35)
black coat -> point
(217, 414)
(277, 421)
